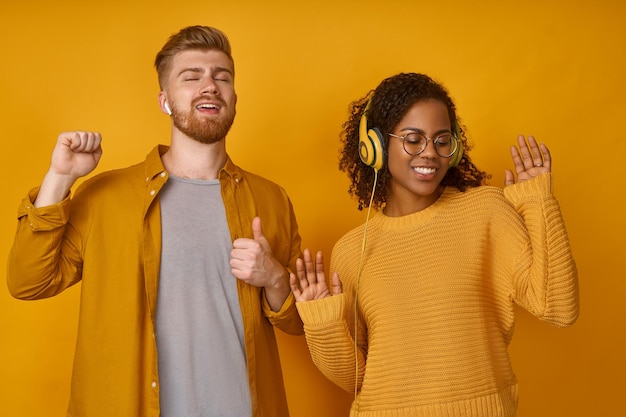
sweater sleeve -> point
(43, 261)
(330, 341)
(545, 278)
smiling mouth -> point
(208, 106)
(424, 170)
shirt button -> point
(152, 192)
(154, 384)
(147, 179)
(162, 174)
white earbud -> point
(167, 108)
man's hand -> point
(252, 261)
(75, 155)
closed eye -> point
(223, 76)
(414, 138)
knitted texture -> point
(435, 301)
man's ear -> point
(165, 108)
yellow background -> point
(555, 70)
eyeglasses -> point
(414, 143)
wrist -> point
(54, 188)
(278, 290)
(280, 280)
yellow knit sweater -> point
(435, 301)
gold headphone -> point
(455, 159)
(371, 143)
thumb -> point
(336, 284)
(509, 178)
(257, 230)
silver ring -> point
(538, 164)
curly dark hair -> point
(388, 104)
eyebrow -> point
(421, 132)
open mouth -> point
(208, 106)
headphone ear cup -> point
(371, 145)
(458, 154)
(455, 159)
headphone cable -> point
(356, 293)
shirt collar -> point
(154, 165)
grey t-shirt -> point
(199, 329)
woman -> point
(433, 277)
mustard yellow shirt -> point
(108, 237)
(436, 301)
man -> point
(183, 258)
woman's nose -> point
(429, 151)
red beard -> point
(201, 129)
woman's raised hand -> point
(309, 281)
